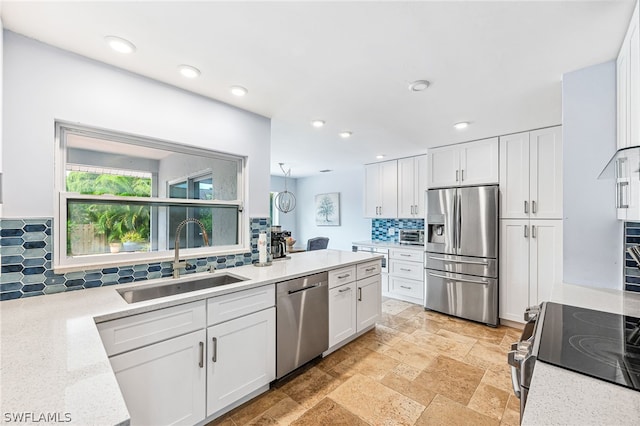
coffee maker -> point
(279, 242)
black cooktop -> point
(599, 344)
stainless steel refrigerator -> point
(461, 269)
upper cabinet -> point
(628, 85)
(531, 174)
(471, 163)
(381, 190)
(412, 184)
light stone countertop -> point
(387, 244)
(52, 361)
(562, 397)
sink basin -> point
(155, 291)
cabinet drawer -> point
(133, 332)
(369, 269)
(406, 287)
(411, 270)
(234, 305)
(410, 255)
(342, 276)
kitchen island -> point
(562, 397)
(54, 365)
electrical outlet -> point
(391, 232)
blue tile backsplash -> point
(380, 228)
(631, 271)
(26, 250)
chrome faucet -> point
(177, 263)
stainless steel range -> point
(599, 344)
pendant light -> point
(285, 201)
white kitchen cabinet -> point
(412, 184)
(628, 85)
(241, 358)
(164, 383)
(342, 313)
(153, 355)
(531, 174)
(406, 275)
(470, 163)
(530, 264)
(369, 302)
(381, 190)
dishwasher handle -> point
(304, 288)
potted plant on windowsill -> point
(114, 246)
(132, 241)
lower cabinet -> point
(530, 264)
(342, 313)
(406, 275)
(193, 362)
(354, 306)
(241, 358)
(164, 383)
(369, 306)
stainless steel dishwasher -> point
(302, 309)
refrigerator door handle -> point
(459, 221)
(457, 279)
(454, 223)
(457, 261)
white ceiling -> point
(496, 64)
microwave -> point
(413, 237)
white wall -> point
(1, 105)
(288, 221)
(43, 83)
(353, 225)
(592, 235)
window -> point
(121, 199)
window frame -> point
(62, 262)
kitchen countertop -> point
(53, 362)
(387, 244)
(562, 397)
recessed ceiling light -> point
(346, 134)
(120, 45)
(317, 123)
(419, 85)
(461, 125)
(188, 71)
(239, 90)
(380, 157)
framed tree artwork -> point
(328, 209)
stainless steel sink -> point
(155, 291)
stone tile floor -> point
(415, 368)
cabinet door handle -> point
(456, 175)
(214, 357)
(526, 206)
(405, 287)
(405, 269)
(343, 290)
(370, 269)
(526, 231)
(533, 231)
(359, 294)
(462, 174)
(201, 363)
(533, 206)
(405, 255)
(343, 276)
